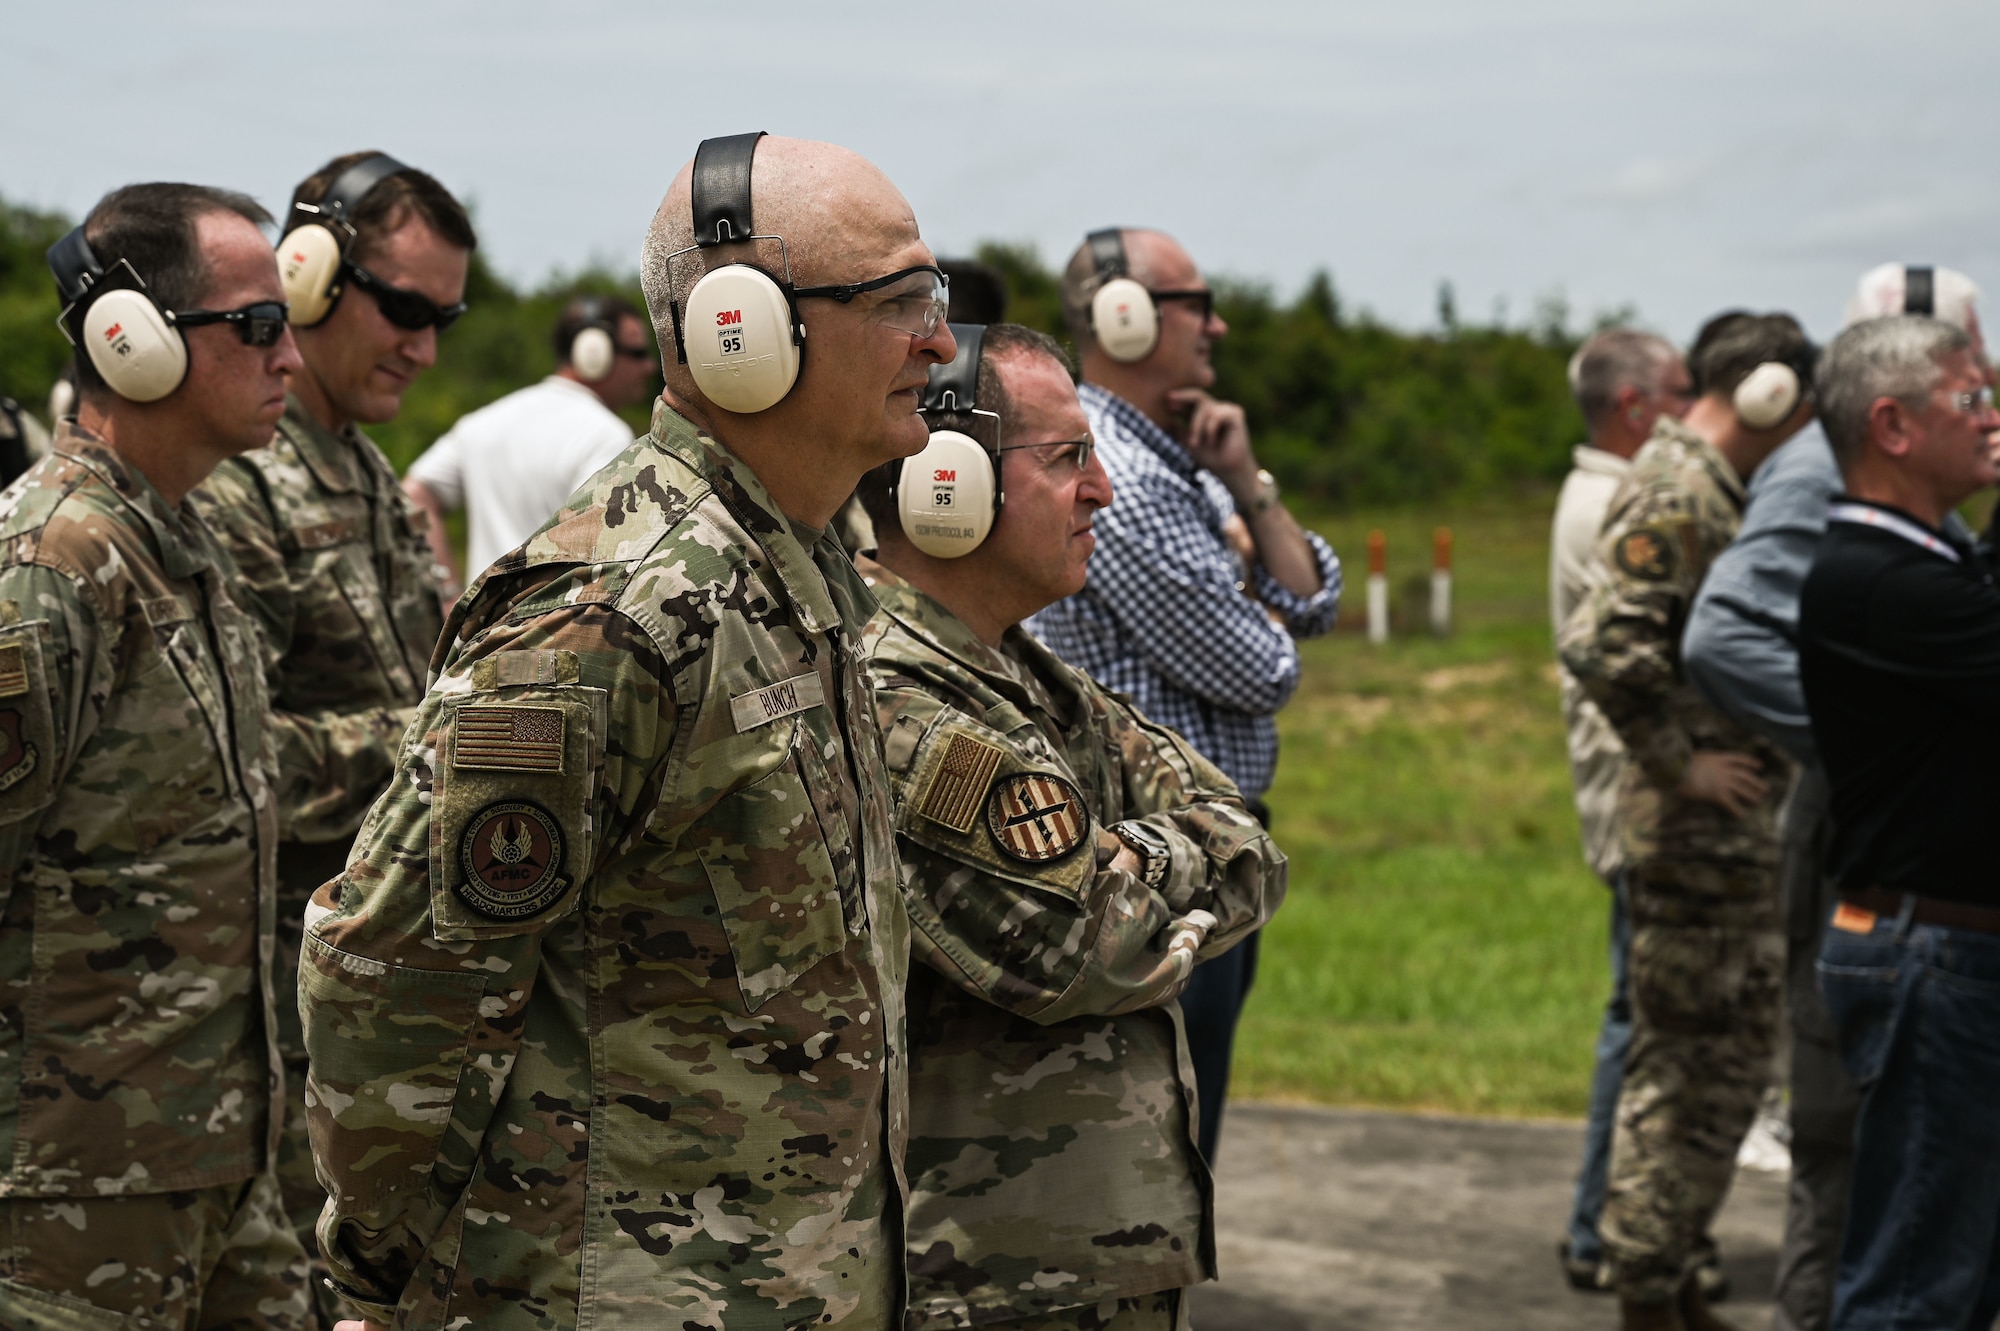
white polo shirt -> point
(513, 463)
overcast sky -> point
(1679, 157)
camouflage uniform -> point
(606, 1013)
(1052, 1160)
(1707, 958)
(137, 840)
(338, 573)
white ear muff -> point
(737, 333)
(592, 354)
(1767, 396)
(945, 495)
(309, 266)
(140, 355)
(1124, 320)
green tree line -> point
(1345, 409)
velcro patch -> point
(511, 855)
(325, 535)
(1645, 553)
(1036, 816)
(13, 670)
(962, 776)
(785, 698)
(508, 738)
(18, 756)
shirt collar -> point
(1139, 426)
(334, 458)
(800, 570)
(1590, 458)
(176, 534)
(1898, 522)
(1026, 672)
(1725, 475)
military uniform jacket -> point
(337, 569)
(1052, 1160)
(137, 840)
(606, 1014)
(1676, 510)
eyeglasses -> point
(411, 311)
(1205, 298)
(1081, 450)
(259, 324)
(636, 353)
(1974, 403)
(913, 301)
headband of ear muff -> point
(948, 496)
(111, 316)
(739, 333)
(1920, 290)
(1123, 317)
(312, 254)
(593, 349)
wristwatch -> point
(1147, 842)
(1267, 494)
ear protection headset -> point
(111, 316)
(1770, 393)
(1920, 290)
(948, 496)
(739, 333)
(312, 258)
(1123, 317)
(593, 350)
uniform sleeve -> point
(330, 764)
(534, 753)
(1050, 930)
(55, 674)
(1622, 642)
(441, 468)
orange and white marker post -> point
(1378, 587)
(1441, 582)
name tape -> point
(788, 696)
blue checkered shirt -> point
(1163, 617)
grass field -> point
(1443, 943)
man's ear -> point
(1889, 427)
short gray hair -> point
(1613, 359)
(1896, 357)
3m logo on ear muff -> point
(727, 317)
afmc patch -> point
(1036, 816)
(510, 860)
(17, 756)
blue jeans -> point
(1917, 1011)
(1614, 1037)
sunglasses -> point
(1204, 298)
(636, 353)
(259, 324)
(411, 311)
(914, 302)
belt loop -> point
(1905, 915)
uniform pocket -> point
(28, 757)
(768, 865)
(23, 1308)
(359, 589)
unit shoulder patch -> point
(1646, 553)
(18, 755)
(510, 858)
(1036, 817)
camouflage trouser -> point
(301, 870)
(213, 1258)
(1705, 1009)
(1164, 1311)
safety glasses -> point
(259, 324)
(913, 300)
(1081, 452)
(411, 311)
(1975, 403)
(1204, 298)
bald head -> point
(834, 208)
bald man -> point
(605, 1014)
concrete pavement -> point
(1360, 1220)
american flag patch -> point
(960, 782)
(509, 739)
